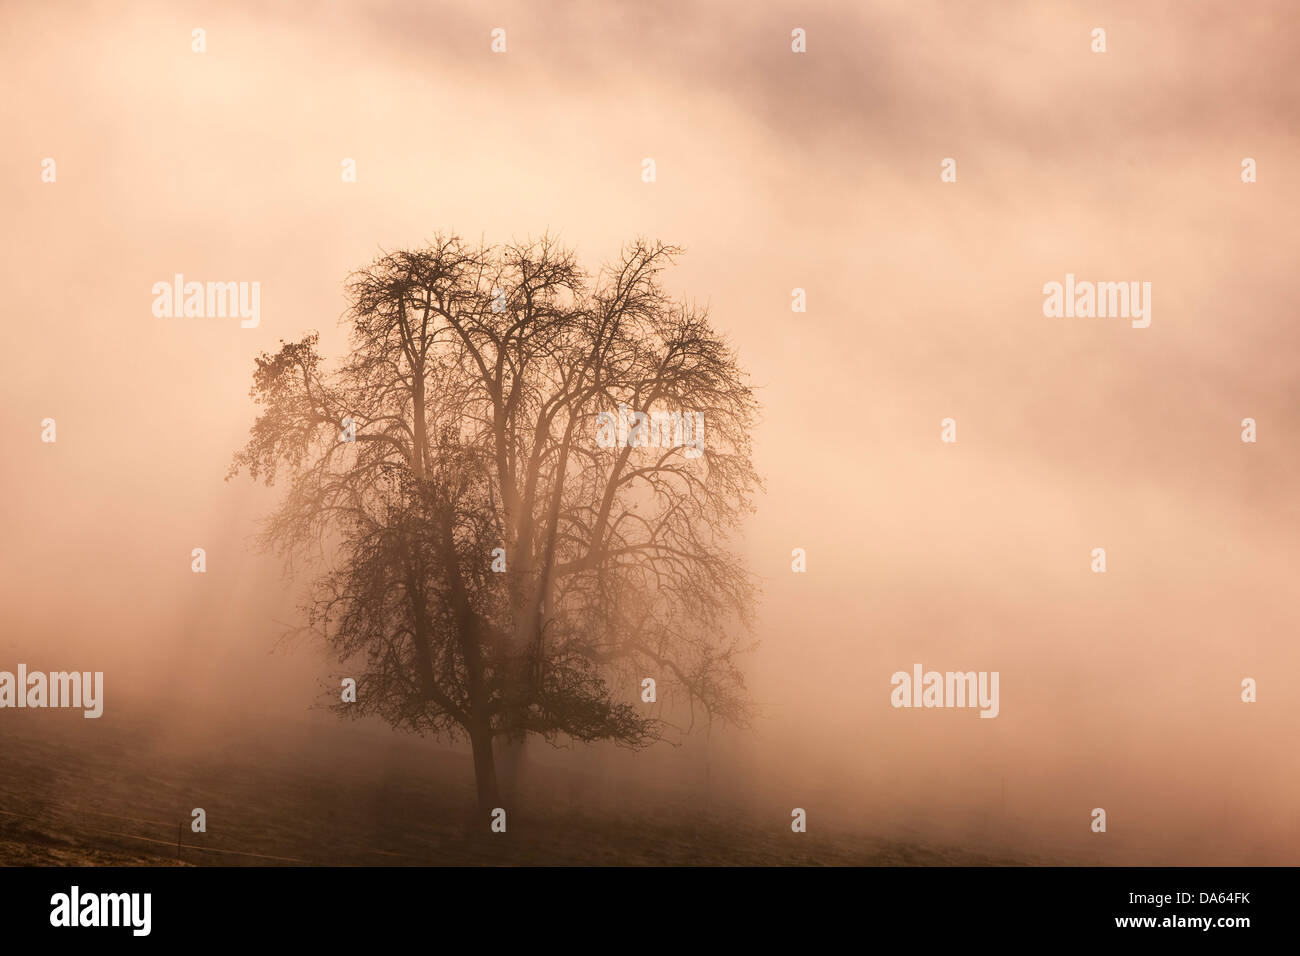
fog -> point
(775, 171)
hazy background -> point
(775, 170)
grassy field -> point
(122, 794)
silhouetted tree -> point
(474, 389)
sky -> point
(775, 170)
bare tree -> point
(494, 566)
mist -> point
(776, 172)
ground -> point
(123, 795)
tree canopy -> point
(491, 565)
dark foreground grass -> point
(122, 794)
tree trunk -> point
(485, 774)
